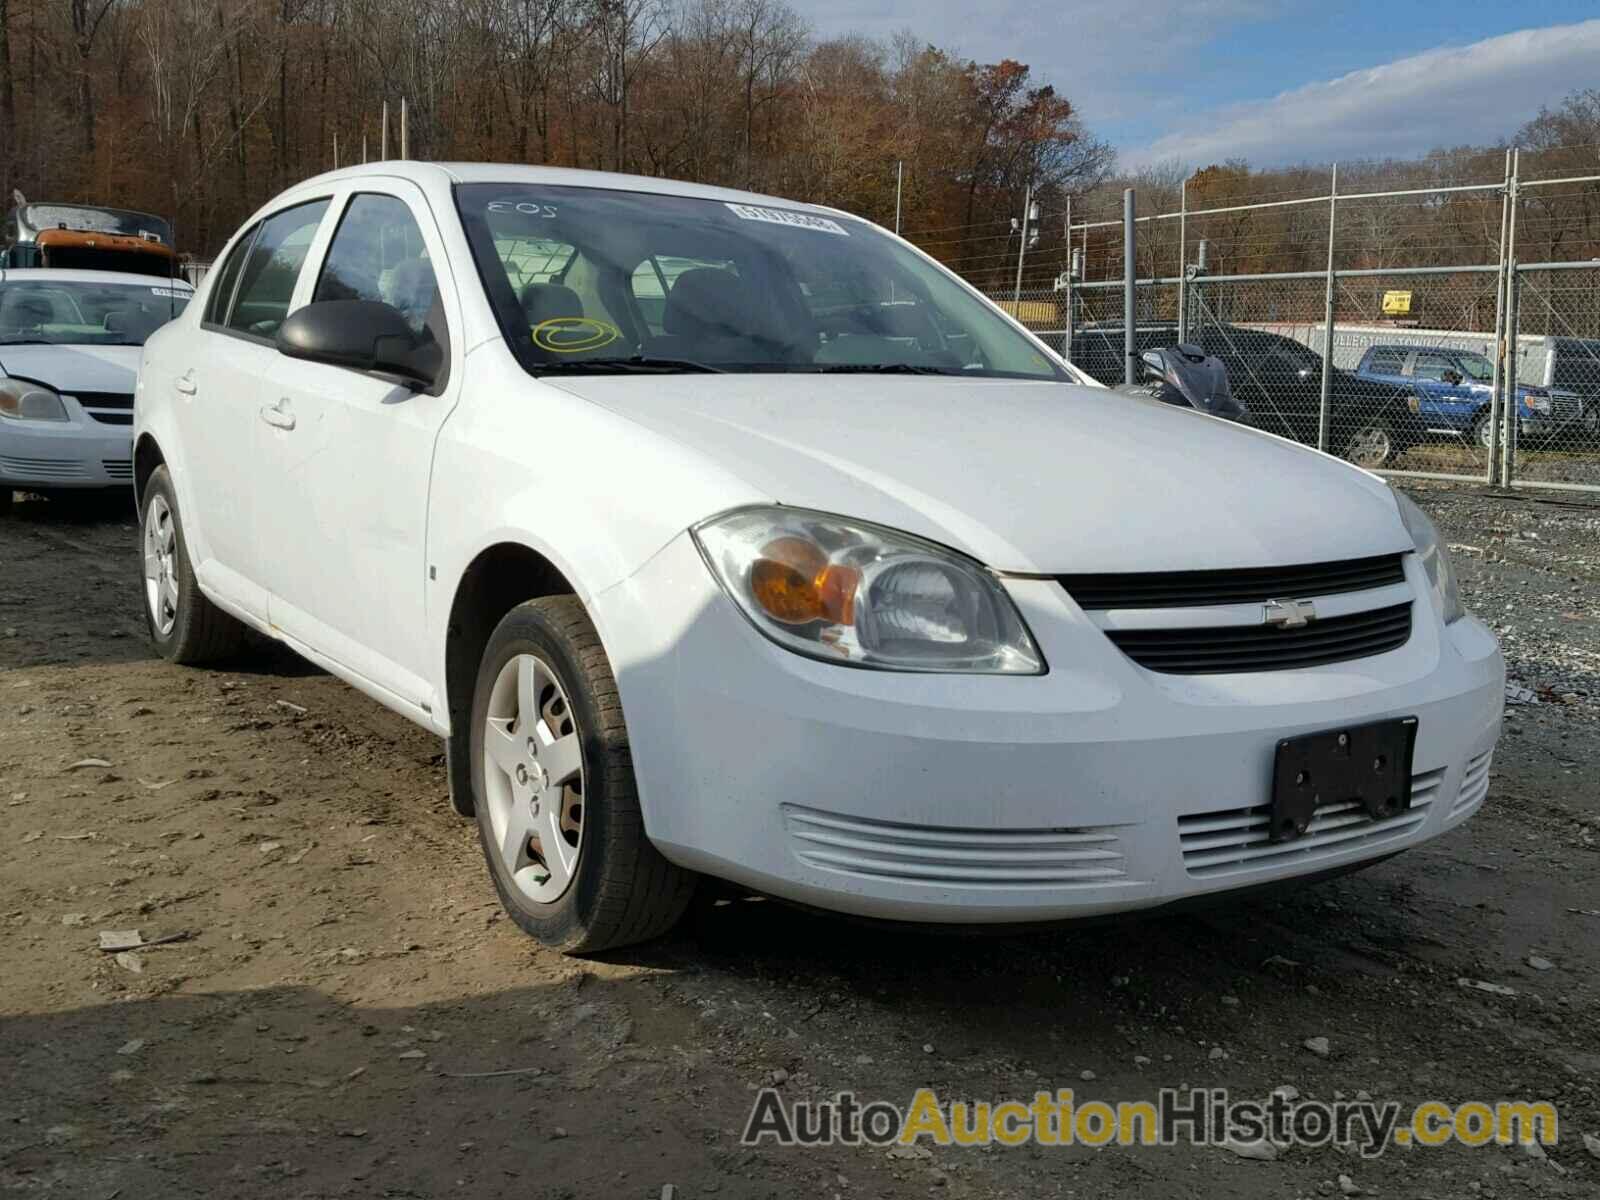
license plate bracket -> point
(1368, 764)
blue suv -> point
(1455, 387)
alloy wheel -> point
(533, 779)
(1370, 447)
(161, 565)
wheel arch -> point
(147, 456)
(498, 579)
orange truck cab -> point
(88, 237)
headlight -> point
(24, 401)
(1435, 558)
(849, 592)
(1538, 402)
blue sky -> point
(1273, 81)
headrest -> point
(548, 301)
(707, 302)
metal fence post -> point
(1129, 345)
(1183, 261)
(1508, 407)
(1497, 383)
(1324, 414)
(1066, 333)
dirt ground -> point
(332, 1019)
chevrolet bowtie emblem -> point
(1289, 614)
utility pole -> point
(1030, 220)
(404, 145)
(383, 136)
(335, 149)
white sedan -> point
(722, 535)
(69, 350)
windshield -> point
(94, 314)
(1476, 366)
(585, 279)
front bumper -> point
(1096, 788)
(77, 453)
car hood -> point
(1024, 476)
(73, 369)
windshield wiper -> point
(639, 362)
(880, 369)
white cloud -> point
(1478, 93)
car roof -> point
(1405, 349)
(65, 275)
(450, 173)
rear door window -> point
(1435, 366)
(272, 269)
(221, 296)
(1387, 362)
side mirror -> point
(362, 335)
(1153, 365)
(1451, 377)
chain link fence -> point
(1485, 371)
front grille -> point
(1199, 589)
(1226, 649)
(41, 468)
(113, 418)
(1474, 785)
(1565, 406)
(940, 855)
(118, 468)
(122, 401)
(1235, 841)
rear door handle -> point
(278, 415)
(186, 386)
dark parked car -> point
(1573, 365)
(1456, 387)
(1279, 382)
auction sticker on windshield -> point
(783, 216)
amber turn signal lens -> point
(796, 584)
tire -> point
(184, 625)
(1372, 445)
(5, 499)
(1482, 433)
(563, 779)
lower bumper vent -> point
(935, 855)
(1237, 840)
(1474, 785)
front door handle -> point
(186, 385)
(278, 415)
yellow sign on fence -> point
(1396, 304)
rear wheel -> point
(1371, 445)
(553, 784)
(184, 625)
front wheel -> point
(553, 785)
(1372, 445)
(1483, 433)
